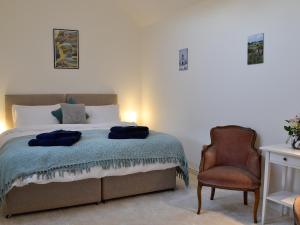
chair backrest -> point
(233, 145)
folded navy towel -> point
(129, 129)
(67, 141)
(58, 134)
(56, 138)
(131, 135)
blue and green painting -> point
(256, 49)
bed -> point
(32, 194)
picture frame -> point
(256, 44)
(183, 59)
(66, 48)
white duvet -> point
(96, 172)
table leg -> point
(266, 186)
(284, 188)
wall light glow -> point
(2, 127)
(130, 117)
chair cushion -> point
(229, 177)
(297, 211)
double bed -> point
(93, 184)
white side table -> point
(288, 158)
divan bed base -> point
(39, 197)
(138, 183)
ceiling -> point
(147, 12)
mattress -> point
(95, 172)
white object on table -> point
(288, 158)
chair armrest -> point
(254, 163)
(208, 158)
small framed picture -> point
(66, 49)
(256, 49)
(183, 59)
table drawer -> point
(285, 160)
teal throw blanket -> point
(19, 161)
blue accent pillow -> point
(59, 115)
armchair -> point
(231, 162)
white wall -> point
(220, 88)
(109, 49)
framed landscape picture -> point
(66, 49)
(256, 49)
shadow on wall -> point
(194, 148)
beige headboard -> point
(52, 99)
(94, 99)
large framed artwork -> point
(256, 49)
(66, 49)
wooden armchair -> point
(297, 211)
(231, 162)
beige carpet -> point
(172, 207)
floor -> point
(171, 207)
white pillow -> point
(102, 114)
(24, 116)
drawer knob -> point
(285, 159)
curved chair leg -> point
(245, 198)
(199, 189)
(256, 203)
(212, 194)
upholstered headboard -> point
(94, 99)
(52, 99)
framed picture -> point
(66, 49)
(183, 59)
(256, 49)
